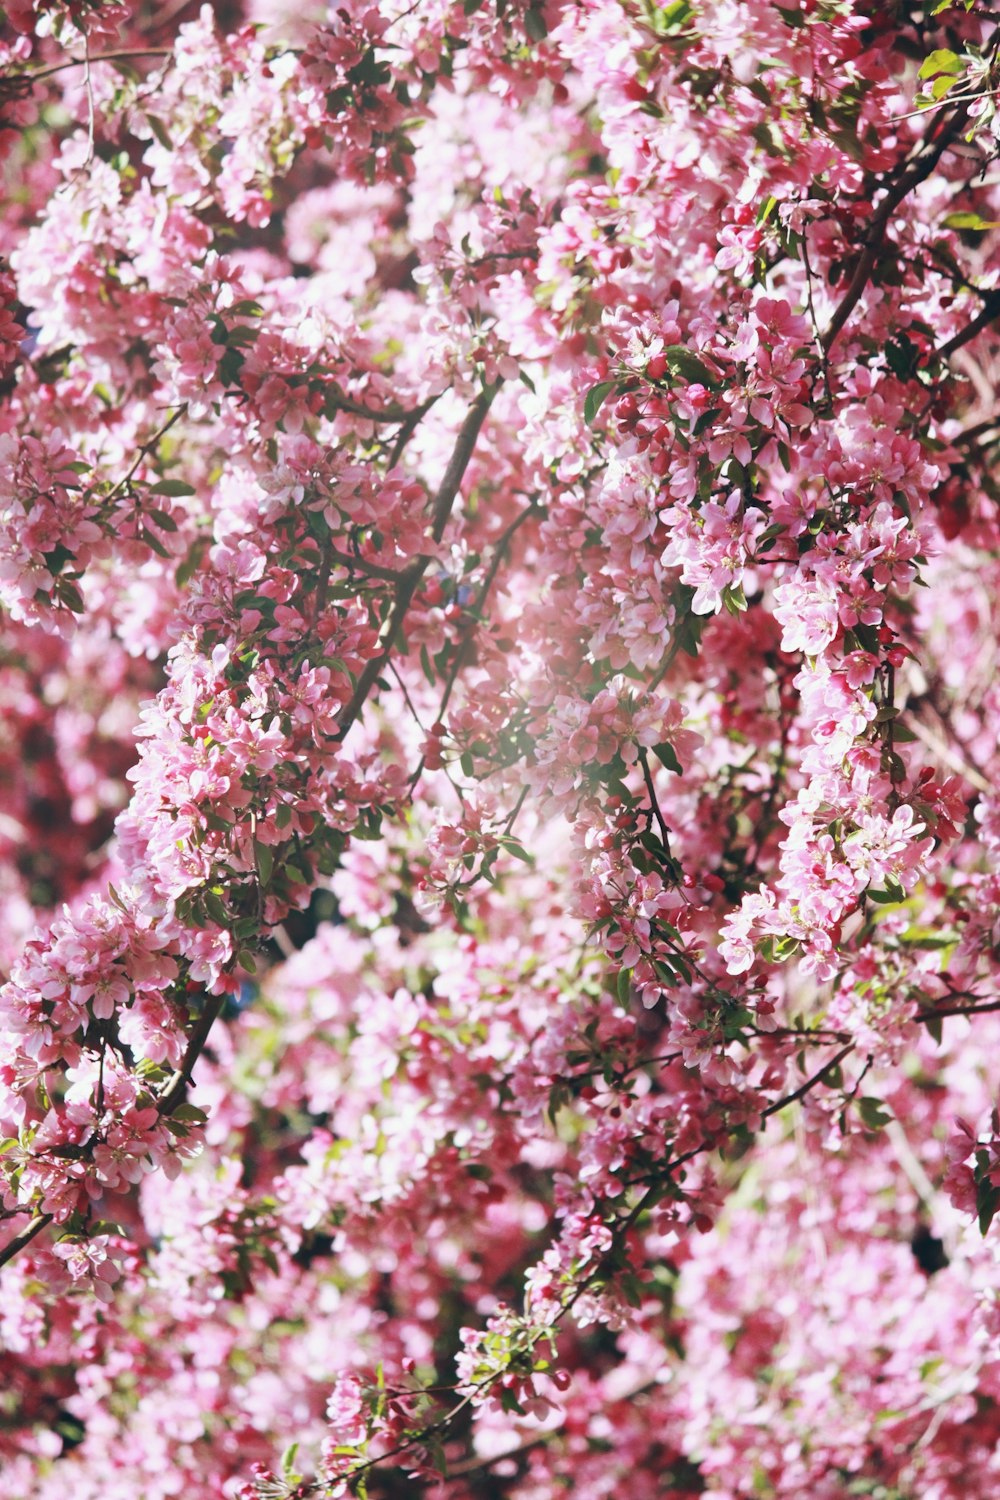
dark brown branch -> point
(927, 159)
(24, 1237)
(810, 1083)
(990, 312)
(655, 809)
(924, 1016)
(176, 1086)
(171, 1097)
(383, 414)
(499, 553)
(410, 580)
(124, 54)
(362, 565)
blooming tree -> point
(499, 598)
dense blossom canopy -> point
(500, 883)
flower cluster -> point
(499, 912)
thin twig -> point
(144, 452)
(124, 54)
(89, 90)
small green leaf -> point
(153, 542)
(243, 335)
(175, 487)
(70, 596)
(891, 896)
(942, 85)
(534, 25)
(264, 855)
(165, 522)
(704, 420)
(189, 1114)
(190, 565)
(595, 399)
(160, 131)
(942, 60)
(215, 908)
(987, 1203)
(969, 221)
(666, 755)
(624, 985)
(873, 1113)
(734, 599)
(683, 362)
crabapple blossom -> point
(499, 602)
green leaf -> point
(160, 131)
(891, 896)
(987, 1203)
(230, 366)
(165, 522)
(942, 85)
(534, 25)
(153, 542)
(705, 419)
(942, 60)
(215, 908)
(595, 399)
(264, 855)
(624, 985)
(873, 1113)
(243, 334)
(70, 596)
(189, 1114)
(969, 221)
(190, 565)
(734, 599)
(683, 362)
(665, 754)
(171, 487)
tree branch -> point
(409, 581)
(176, 1086)
(171, 1097)
(24, 1238)
(921, 168)
(990, 312)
